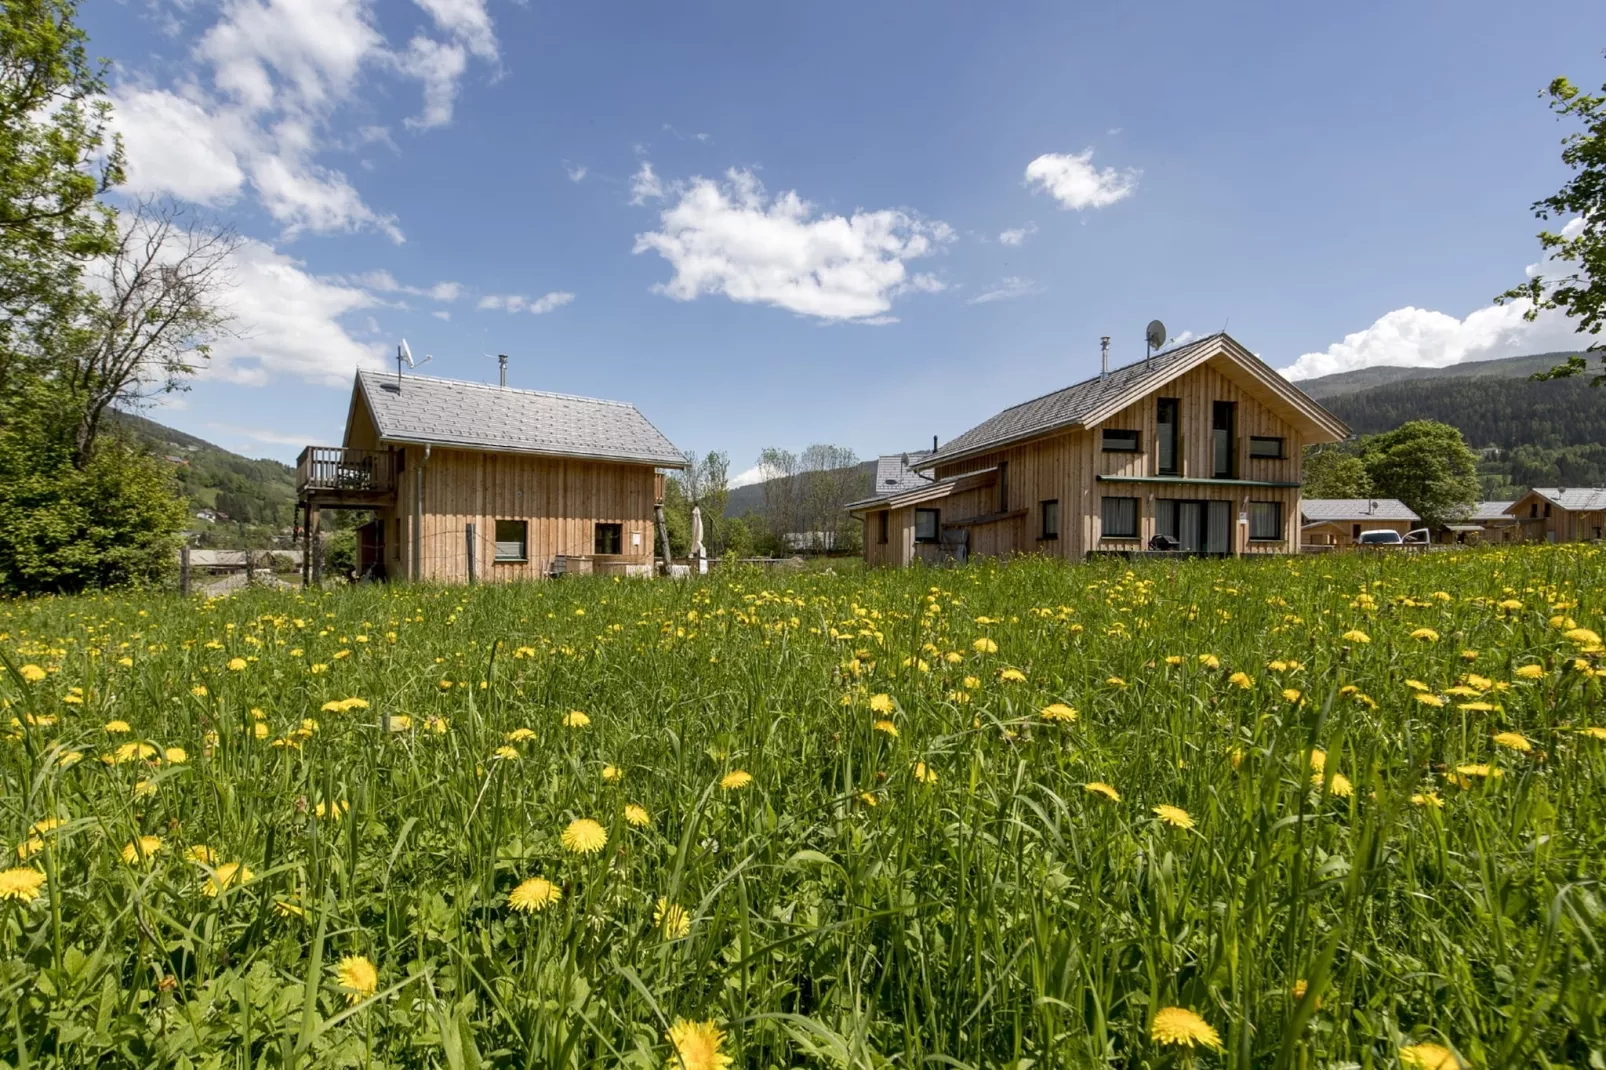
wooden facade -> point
(1011, 512)
(1540, 518)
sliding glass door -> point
(1198, 526)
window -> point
(1120, 518)
(1223, 439)
(1547, 509)
(927, 521)
(1167, 418)
(610, 539)
(1266, 447)
(1051, 518)
(1120, 442)
(511, 540)
(1003, 486)
(882, 523)
(1266, 521)
(1533, 510)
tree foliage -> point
(1423, 463)
(1579, 247)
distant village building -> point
(517, 484)
(1560, 514)
(1338, 523)
(1197, 449)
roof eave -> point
(611, 458)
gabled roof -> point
(1573, 499)
(894, 473)
(1486, 511)
(1324, 510)
(447, 412)
(1093, 400)
(927, 490)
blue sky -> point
(836, 222)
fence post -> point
(468, 539)
(315, 546)
(184, 571)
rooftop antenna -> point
(1104, 358)
(1155, 336)
(403, 352)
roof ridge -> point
(386, 376)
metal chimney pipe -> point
(501, 364)
(933, 443)
(1104, 358)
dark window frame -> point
(1224, 421)
(1282, 448)
(497, 556)
(1137, 518)
(1135, 447)
(936, 525)
(1047, 531)
(1277, 513)
(607, 528)
(884, 518)
(1161, 426)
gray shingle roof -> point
(1575, 499)
(447, 412)
(1318, 510)
(1065, 407)
(1491, 511)
(893, 475)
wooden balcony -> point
(333, 475)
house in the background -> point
(895, 478)
(1493, 521)
(473, 481)
(1560, 514)
(1338, 523)
(1196, 448)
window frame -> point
(936, 525)
(497, 556)
(1105, 535)
(1175, 425)
(1104, 440)
(1045, 531)
(885, 526)
(611, 527)
(1276, 509)
(1280, 455)
(1224, 421)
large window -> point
(1120, 441)
(1266, 447)
(1167, 418)
(1266, 521)
(1051, 518)
(1120, 518)
(609, 539)
(512, 540)
(927, 523)
(1223, 440)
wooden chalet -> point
(1195, 450)
(1338, 523)
(469, 481)
(1560, 514)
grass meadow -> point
(1314, 812)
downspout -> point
(418, 517)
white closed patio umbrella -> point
(697, 549)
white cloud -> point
(511, 302)
(557, 299)
(732, 238)
(287, 324)
(1072, 180)
(439, 66)
(576, 172)
(313, 198)
(382, 281)
(445, 291)
(194, 162)
(644, 185)
(1182, 339)
(441, 314)
(1417, 337)
(314, 47)
(753, 475)
(1017, 235)
(466, 21)
(1007, 289)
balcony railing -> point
(333, 468)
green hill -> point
(1327, 386)
(257, 496)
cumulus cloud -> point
(644, 185)
(466, 21)
(732, 238)
(753, 475)
(557, 299)
(1007, 289)
(1071, 179)
(1017, 235)
(439, 66)
(382, 281)
(519, 303)
(196, 161)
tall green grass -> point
(844, 912)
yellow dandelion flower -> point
(575, 719)
(1210, 661)
(1427, 798)
(886, 727)
(1098, 787)
(1513, 741)
(1338, 785)
(1184, 1028)
(331, 809)
(1318, 759)
(984, 646)
(881, 703)
(1594, 731)
(23, 884)
(519, 735)
(534, 895)
(671, 919)
(1175, 816)
(227, 874)
(1174, 659)
(612, 773)
(637, 816)
(142, 850)
(1242, 680)
(1425, 635)
(144, 789)
(1530, 672)
(201, 853)
(176, 755)
(509, 753)
(1292, 694)
(1427, 698)
(1012, 676)
(925, 774)
(32, 673)
(117, 728)
(1429, 1056)
(1582, 636)
(1355, 635)
(1481, 769)
(697, 1046)
(584, 837)
(1059, 712)
(199, 691)
(357, 977)
(237, 664)
(736, 780)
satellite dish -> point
(406, 353)
(1156, 334)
